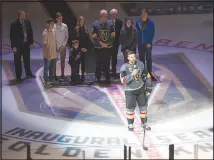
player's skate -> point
(145, 126)
(131, 127)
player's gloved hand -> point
(148, 88)
(135, 72)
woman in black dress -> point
(80, 33)
(128, 38)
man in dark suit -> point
(21, 37)
(117, 26)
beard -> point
(132, 61)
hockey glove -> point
(148, 88)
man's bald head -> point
(113, 11)
(103, 15)
(21, 14)
(103, 12)
(113, 14)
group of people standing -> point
(108, 33)
(55, 38)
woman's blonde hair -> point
(78, 25)
(80, 18)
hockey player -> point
(132, 75)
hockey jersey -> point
(75, 55)
(103, 32)
(133, 83)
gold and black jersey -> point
(103, 32)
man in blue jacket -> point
(146, 33)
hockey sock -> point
(143, 117)
(130, 118)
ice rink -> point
(61, 123)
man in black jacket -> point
(117, 23)
(21, 37)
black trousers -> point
(22, 51)
(82, 62)
(133, 97)
(74, 68)
(102, 62)
(142, 50)
(114, 53)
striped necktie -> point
(24, 30)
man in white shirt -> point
(61, 30)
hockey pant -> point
(132, 99)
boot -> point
(82, 78)
(48, 85)
(97, 80)
(62, 77)
(107, 81)
(130, 124)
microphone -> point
(136, 77)
(135, 67)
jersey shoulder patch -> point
(123, 67)
(96, 23)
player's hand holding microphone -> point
(135, 73)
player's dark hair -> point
(130, 52)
